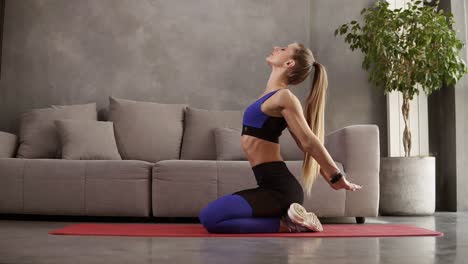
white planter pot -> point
(407, 186)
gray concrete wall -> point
(209, 54)
(351, 98)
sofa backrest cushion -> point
(289, 149)
(87, 140)
(199, 141)
(38, 136)
(227, 142)
(148, 131)
(8, 145)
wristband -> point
(336, 177)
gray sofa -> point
(201, 164)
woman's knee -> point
(208, 223)
(205, 215)
(209, 215)
(223, 208)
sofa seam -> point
(217, 179)
(24, 166)
(150, 191)
(84, 188)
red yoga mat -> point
(197, 230)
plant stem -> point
(406, 132)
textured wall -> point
(209, 54)
(351, 98)
(206, 53)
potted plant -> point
(405, 49)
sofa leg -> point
(360, 220)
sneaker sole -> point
(298, 214)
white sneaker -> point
(299, 215)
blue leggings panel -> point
(233, 214)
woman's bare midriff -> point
(259, 151)
(256, 149)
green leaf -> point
(342, 30)
(405, 47)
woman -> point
(276, 204)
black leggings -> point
(277, 189)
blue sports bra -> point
(258, 124)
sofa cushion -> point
(11, 185)
(199, 142)
(201, 182)
(182, 187)
(38, 136)
(147, 131)
(87, 139)
(8, 144)
(289, 149)
(75, 187)
(227, 142)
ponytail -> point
(315, 115)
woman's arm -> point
(321, 155)
(308, 142)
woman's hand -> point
(343, 183)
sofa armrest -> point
(357, 148)
(8, 144)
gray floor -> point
(27, 241)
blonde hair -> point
(315, 104)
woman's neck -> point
(275, 81)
